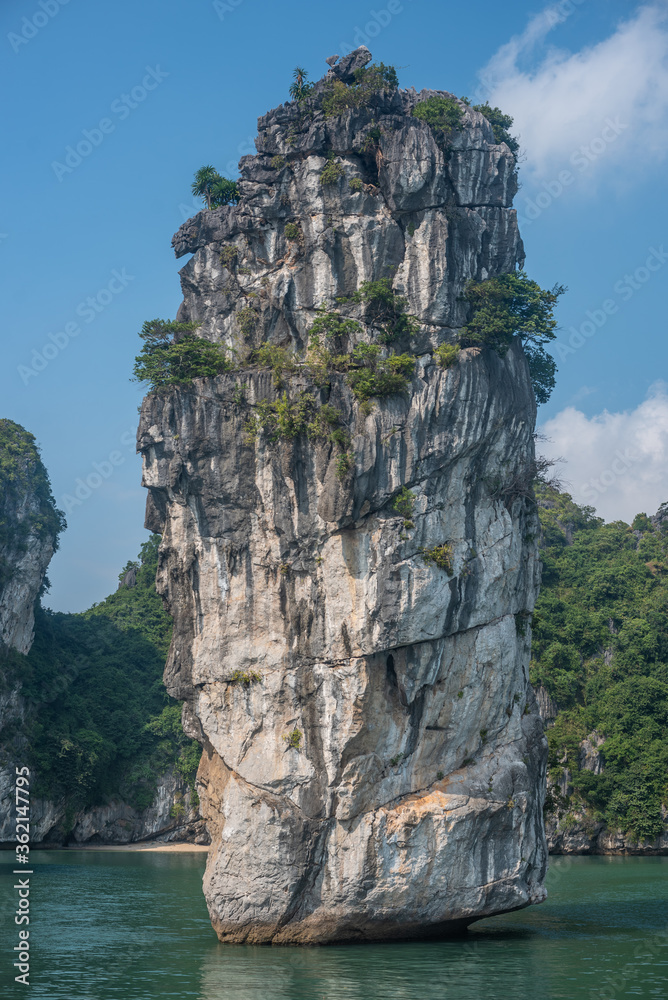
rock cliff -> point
(352, 638)
(29, 528)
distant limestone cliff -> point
(349, 546)
(29, 529)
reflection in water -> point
(129, 926)
(378, 972)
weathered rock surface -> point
(380, 773)
(29, 529)
(115, 822)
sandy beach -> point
(177, 848)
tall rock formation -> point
(351, 629)
(29, 528)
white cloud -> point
(617, 462)
(567, 100)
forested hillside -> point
(600, 649)
(99, 721)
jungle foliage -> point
(513, 305)
(102, 723)
(173, 355)
(600, 647)
(22, 475)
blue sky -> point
(163, 87)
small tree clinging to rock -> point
(172, 355)
(214, 189)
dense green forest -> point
(600, 647)
(101, 722)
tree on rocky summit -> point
(214, 189)
(202, 186)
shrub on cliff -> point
(173, 356)
(24, 485)
(509, 306)
(385, 309)
(500, 125)
(444, 115)
(369, 80)
(373, 376)
(331, 171)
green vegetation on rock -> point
(500, 126)
(439, 555)
(331, 172)
(300, 88)
(440, 112)
(385, 309)
(600, 648)
(173, 356)
(444, 115)
(25, 490)
(510, 306)
(447, 354)
(369, 80)
(213, 189)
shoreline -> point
(142, 845)
(176, 848)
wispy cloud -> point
(617, 462)
(562, 101)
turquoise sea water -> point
(133, 926)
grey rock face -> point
(28, 534)
(380, 772)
